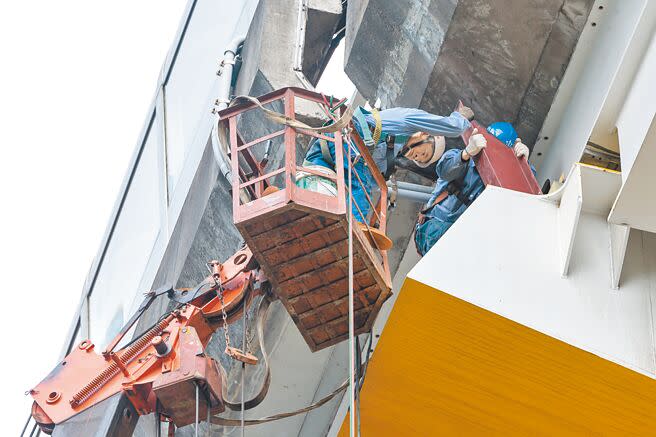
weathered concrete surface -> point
(324, 19)
(269, 52)
(271, 43)
(552, 65)
(392, 52)
(505, 58)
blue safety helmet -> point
(504, 132)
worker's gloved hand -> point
(465, 111)
(521, 149)
(477, 142)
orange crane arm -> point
(160, 370)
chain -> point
(249, 330)
(223, 314)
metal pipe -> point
(301, 22)
(414, 196)
(228, 63)
(243, 368)
(29, 418)
(196, 427)
(351, 310)
(411, 187)
(209, 418)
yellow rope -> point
(378, 130)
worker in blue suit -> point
(458, 184)
(384, 133)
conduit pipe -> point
(411, 187)
(410, 191)
(415, 196)
(228, 63)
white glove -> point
(465, 111)
(521, 149)
(477, 142)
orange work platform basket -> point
(300, 236)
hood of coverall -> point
(438, 151)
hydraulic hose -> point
(220, 153)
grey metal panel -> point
(126, 256)
(118, 206)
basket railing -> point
(251, 179)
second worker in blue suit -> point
(458, 184)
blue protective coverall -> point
(399, 122)
(439, 219)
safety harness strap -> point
(378, 129)
(389, 156)
(364, 127)
(325, 153)
(453, 188)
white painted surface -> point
(605, 127)
(599, 188)
(503, 255)
(568, 85)
(638, 109)
(567, 217)
(619, 240)
(636, 203)
(586, 188)
(586, 84)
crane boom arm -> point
(161, 368)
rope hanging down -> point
(237, 422)
(252, 403)
(236, 406)
(351, 311)
(262, 310)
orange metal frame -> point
(85, 378)
(258, 205)
(258, 179)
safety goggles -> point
(417, 140)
